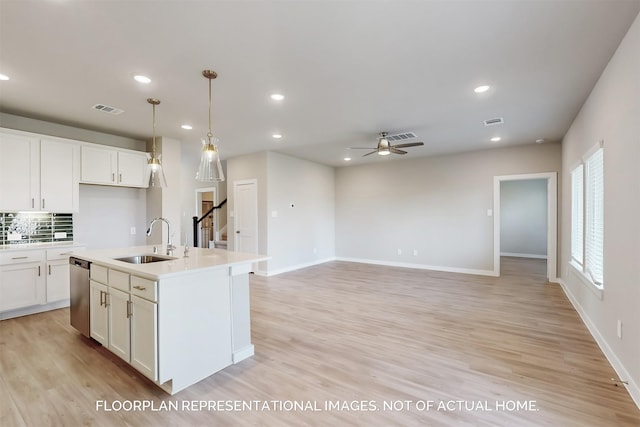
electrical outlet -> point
(619, 331)
(132, 231)
(399, 251)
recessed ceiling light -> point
(142, 79)
(4, 77)
(276, 136)
(481, 89)
(539, 141)
(495, 139)
(186, 127)
(277, 97)
(347, 159)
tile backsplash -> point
(35, 227)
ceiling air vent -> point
(400, 136)
(107, 109)
(496, 121)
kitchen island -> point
(177, 320)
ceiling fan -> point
(385, 148)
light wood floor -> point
(345, 332)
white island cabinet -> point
(176, 321)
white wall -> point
(434, 205)
(303, 234)
(612, 114)
(523, 218)
(165, 202)
(252, 166)
(107, 214)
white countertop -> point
(36, 246)
(198, 259)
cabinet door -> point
(119, 332)
(99, 302)
(58, 284)
(21, 285)
(19, 173)
(132, 169)
(98, 165)
(144, 337)
(59, 177)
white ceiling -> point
(348, 69)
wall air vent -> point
(400, 136)
(107, 109)
(496, 121)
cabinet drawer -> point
(144, 288)
(99, 273)
(119, 280)
(21, 257)
(61, 253)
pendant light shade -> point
(154, 174)
(210, 168)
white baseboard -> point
(294, 267)
(242, 354)
(419, 266)
(34, 309)
(518, 255)
(632, 387)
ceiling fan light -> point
(384, 152)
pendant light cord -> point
(209, 134)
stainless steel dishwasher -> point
(80, 293)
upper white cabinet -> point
(59, 176)
(37, 173)
(111, 166)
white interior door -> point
(245, 196)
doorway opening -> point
(524, 225)
(208, 228)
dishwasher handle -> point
(79, 262)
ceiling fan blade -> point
(408, 144)
(374, 151)
(394, 150)
(361, 148)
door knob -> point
(237, 231)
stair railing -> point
(197, 221)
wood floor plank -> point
(347, 334)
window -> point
(587, 216)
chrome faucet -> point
(170, 247)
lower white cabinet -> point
(119, 325)
(21, 285)
(126, 323)
(144, 333)
(99, 312)
(34, 280)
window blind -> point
(594, 217)
(577, 213)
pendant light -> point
(155, 174)
(210, 169)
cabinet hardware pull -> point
(42, 203)
(38, 271)
(120, 177)
(101, 298)
(129, 309)
(140, 288)
(49, 270)
(113, 177)
(33, 202)
(20, 257)
(66, 253)
(106, 299)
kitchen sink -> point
(144, 259)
